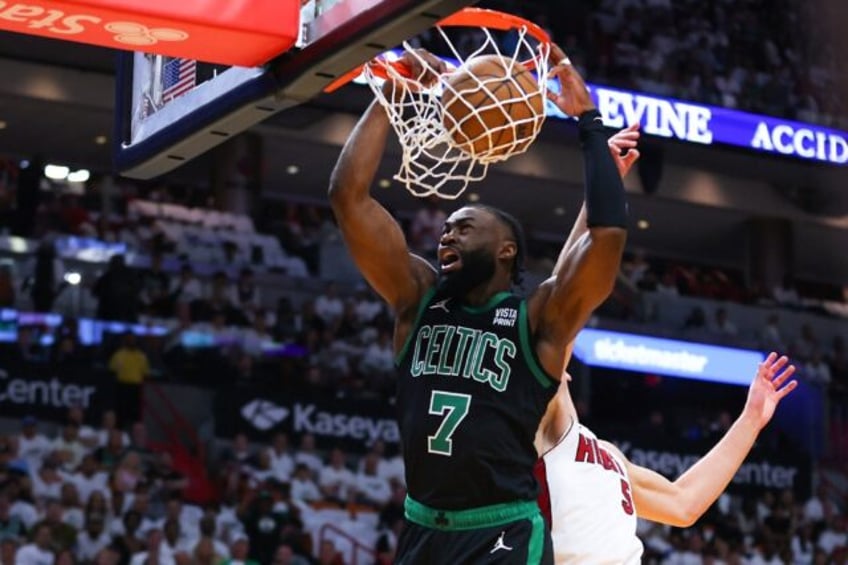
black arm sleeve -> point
(605, 202)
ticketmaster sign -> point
(631, 352)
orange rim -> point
(467, 17)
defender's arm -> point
(681, 502)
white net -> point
(486, 110)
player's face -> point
(467, 251)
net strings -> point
(432, 162)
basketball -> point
(492, 107)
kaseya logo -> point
(24, 17)
(264, 414)
(307, 417)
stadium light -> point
(73, 278)
(56, 172)
(81, 175)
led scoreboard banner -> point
(706, 125)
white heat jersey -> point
(586, 497)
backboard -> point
(171, 110)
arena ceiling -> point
(59, 99)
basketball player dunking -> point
(478, 364)
(592, 494)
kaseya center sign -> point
(215, 31)
(48, 395)
(260, 413)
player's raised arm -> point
(682, 502)
(373, 237)
(563, 303)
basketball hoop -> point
(432, 161)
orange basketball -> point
(492, 107)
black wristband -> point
(589, 121)
(605, 200)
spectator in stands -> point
(68, 447)
(117, 292)
(282, 462)
(696, 320)
(667, 285)
(240, 452)
(285, 555)
(39, 552)
(785, 293)
(806, 344)
(723, 325)
(155, 286)
(245, 294)
(185, 291)
(240, 552)
(47, 278)
(817, 371)
(287, 322)
(62, 536)
(93, 538)
(68, 356)
(72, 508)
(303, 488)
(154, 550)
(328, 306)
(24, 351)
(110, 454)
(131, 367)
(218, 302)
(47, 481)
(206, 531)
(834, 535)
(127, 543)
(10, 526)
(336, 480)
(128, 473)
(307, 454)
(33, 446)
(329, 555)
(254, 338)
(370, 488)
(168, 481)
(261, 471)
(770, 337)
(174, 541)
(426, 227)
(263, 526)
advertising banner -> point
(261, 412)
(47, 395)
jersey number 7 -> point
(454, 407)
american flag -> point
(178, 77)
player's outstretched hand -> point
(768, 389)
(421, 66)
(574, 97)
(622, 146)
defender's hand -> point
(574, 97)
(768, 389)
(623, 148)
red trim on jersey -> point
(540, 471)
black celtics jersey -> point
(470, 396)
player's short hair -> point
(514, 226)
